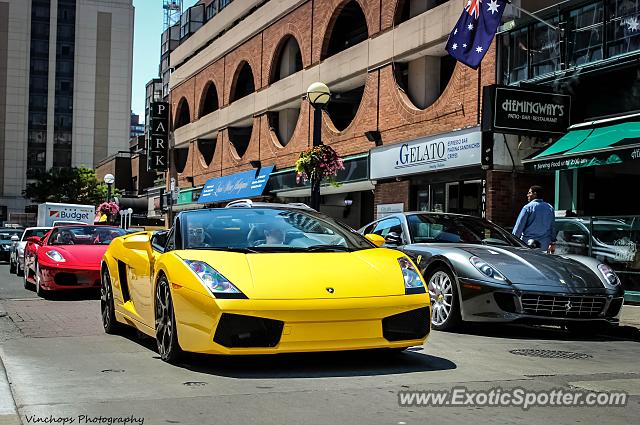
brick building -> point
(237, 91)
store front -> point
(351, 201)
(442, 173)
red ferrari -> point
(67, 257)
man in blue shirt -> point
(536, 221)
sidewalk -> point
(630, 316)
(8, 411)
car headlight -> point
(487, 269)
(217, 284)
(412, 281)
(609, 274)
(55, 256)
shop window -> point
(424, 79)
(284, 122)
(585, 31)
(207, 148)
(183, 116)
(349, 28)
(343, 107)
(623, 27)
(514, 48)
(288, 60)
(407, 9)
(210, 100)
(244, 83)
(240, 138)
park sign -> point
(158, 137)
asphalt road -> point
(61, 365)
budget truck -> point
(52, 214)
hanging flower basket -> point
(106, 211)
(321, 162)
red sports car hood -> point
(76, 255)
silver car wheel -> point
(441, 294)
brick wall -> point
(384, 105)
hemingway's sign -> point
(158, 137)
(456, 149)
(518, 110)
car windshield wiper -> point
(329, 248)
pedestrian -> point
(535, 224)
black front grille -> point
(235, 331)
(65, 279)
(562, 306)
(413, 324)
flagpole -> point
(534, 16)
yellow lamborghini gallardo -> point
(262, 279)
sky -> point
(146, 49)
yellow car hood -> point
(300, 275)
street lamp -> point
(318, 95)
(109, 179)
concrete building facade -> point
(65, 87)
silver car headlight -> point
(609, 275)
(55, 256)
(218, 285)
(487, 269)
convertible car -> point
(67, 257)
(478, 272)
(262, 279)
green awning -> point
(590, 147)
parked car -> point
(613, 241)
(262, 279)
(6, 242)
(479, 272)
(67, 257)
(16, 257)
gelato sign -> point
(521, 111)
(457, 149)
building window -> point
(288, 59)
(240, 138)
(515, 55)
(244, 84)
(209, 100)
(585, 26)
(407, 9)
(344, 106)
(623, 27)
(545, 49)
(349, 28)
(183, 115)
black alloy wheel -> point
(107, 306)
(166, 332)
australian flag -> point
(474, 32)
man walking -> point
(536, 221)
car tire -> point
(40, 291)
(25, 281)
(165, 318)
(19, 270)
(445, 303)
(107, 305)
(12, 267)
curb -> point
(8, 410)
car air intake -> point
(506, 302)
(236, 331)
(65, 279)
(413, 324)
(614, 307)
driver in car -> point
(197, 237)
(65, 237)
(274, 235)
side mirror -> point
(15, 238)
(377, 240)
(139, 241)
(34, 239)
